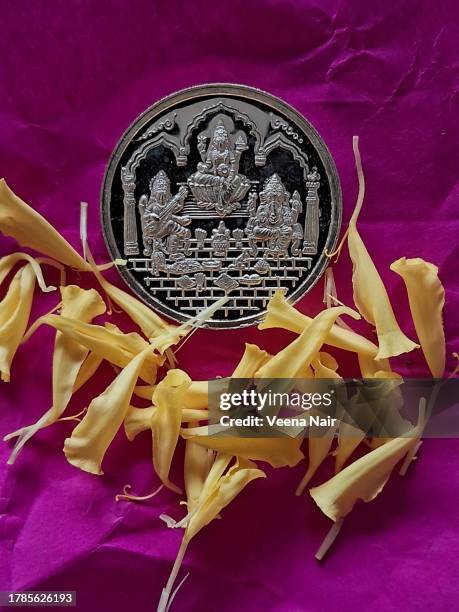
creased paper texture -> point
(73, 76)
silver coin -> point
(220, 190)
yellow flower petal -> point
(300, 353)
(139, 419)
(370, 295)
(196, 456)
(196, 469)
(149, 322)
(144, 391)
(364, 479)
(8, 262)
(228, 487)
(282, 314)
(108, 342)
(197, 395)
(325, 366)
(168, 398)
(91, 438)
(370, 366)
(319, 440)
(251, 361)
(30, 229)
(426, 296)
(318, 449)
(278, 452)
(68, 358)
(14, 316)
(88, 369)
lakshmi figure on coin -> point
(216, 184)
(275, 219)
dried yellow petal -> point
(149, 322)
(363, 479)
(8, 262)
(282, 314)
(319, 441)
(14, 316)
(426, 296)
(227, 488)
(88, 369)
(300, 353)
(168, 398)
(91, 438)
(197, 395)
(370, 295)
(278, 452)
(68, 357)
(197, 459)
(108, 342)
(196, 468)
(251, 361)
(139, 419)
(30, 229)
(325, 366)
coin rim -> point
(190, 93)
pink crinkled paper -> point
(73, 76)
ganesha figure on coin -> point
(274, 224)
(162, 228)
(216, 183)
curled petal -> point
(281, 314)
(251, 361)
(109, 342)
(8, 262)
(139, 419)
(363, 479)
(166, 421)
(426, 296)
(370, 295)
(91, 438)
(300, 353)
(325, 366)
(228, 487)
(14, 316)
(30, 229)
(278, 452)
(319, 441)
(68, 358)
(149, 322)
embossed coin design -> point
(220, 190)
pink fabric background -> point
(73, 76)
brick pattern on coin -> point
(220, 190)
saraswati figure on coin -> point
(160, 222)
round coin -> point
(220, 190)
